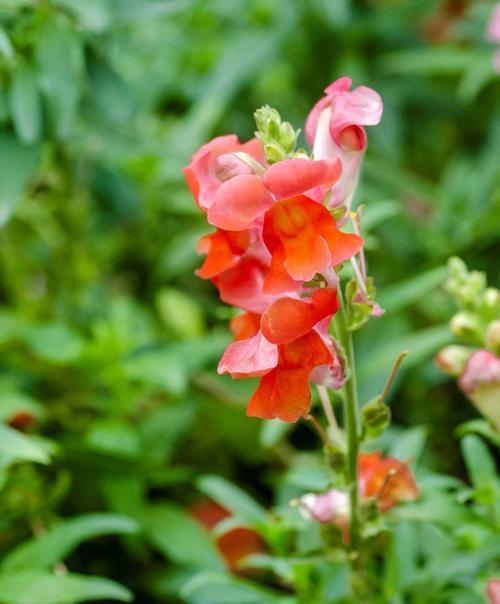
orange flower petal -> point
(252, 357)
(304, 233)
(277, 280)
(223, 249)
(289, 318)
(284, 392)
(245, 325)
(298, 175)
(239, 202)
(386, 478)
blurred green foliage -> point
(109, 342)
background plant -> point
(109, 342)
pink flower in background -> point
(332, 506)
(493, 35)
(493, 591)
(334, 129)
(480, 381)
(493, 27)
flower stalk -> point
(351, 417)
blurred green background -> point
(109, 342)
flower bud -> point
(288, 136)
(375, 417)
(229, 165)
(332, 506)
(466, 287)
(467, 326)
(264, 117)
(493, 336)
(489, 305)
(452, 359)
(278, 138)
(481, 383)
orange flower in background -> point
(303, 240)
(387, 479)
(235, 544)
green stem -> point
(351, 417)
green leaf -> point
(481, 427)
(374, 368)
(171, 366)
(479, 461)
(232, 498)
(400, 295)
(211, 588)
(15, 446)
(180, 537)
(94, 15)
(43, 587)
(55, 342)
(60, 540)
(17, 164)
(181, 313)
(60, 64)
(13, 402)
(6, 48)
(272, 432)
(410, 445)
(25, 106)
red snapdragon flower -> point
(282, 347)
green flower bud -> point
(265, 116)
(466, 287)
(274, 152)
(493, 336)
(279, 138)
(375, 417)
(467, 326)
(452, 359)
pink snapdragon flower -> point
(334, 128)
(493, 27)
(493, 35)
(493, 591)
(480, 381)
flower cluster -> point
(477, 324)
(385, 481)
(277, 245)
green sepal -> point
(375, 417)
(358, 313)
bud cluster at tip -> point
(476, 363)
(278, 138)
